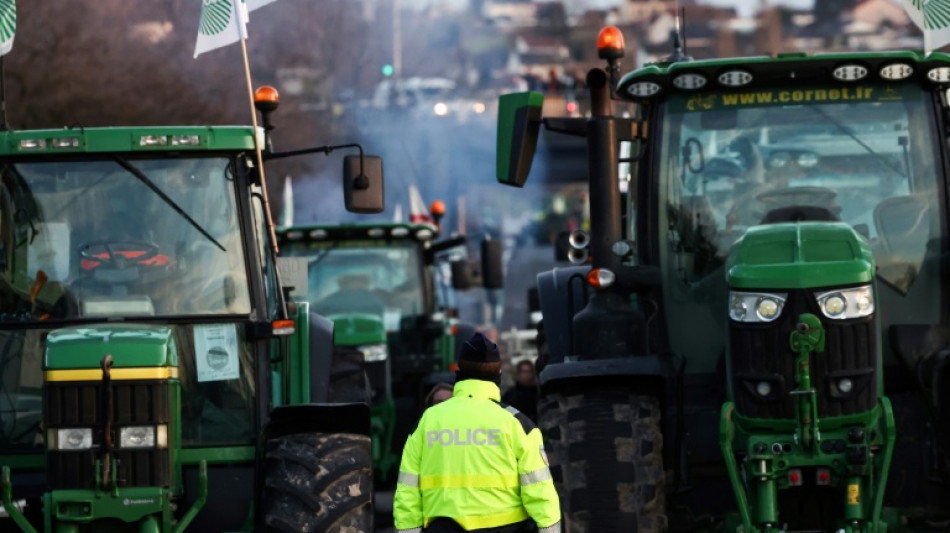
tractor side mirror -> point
(519, 122)
(363, 183)
(493, 275)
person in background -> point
(523, 396)
(439, 393)
(473, 464)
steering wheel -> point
(798, 196)
(118, 255)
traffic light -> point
(387, 70)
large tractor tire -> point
(606, 454)
(318, 482)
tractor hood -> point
(129, 345)
(800, 255)
(357, 329)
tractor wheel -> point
(318, 482)
(606, 453)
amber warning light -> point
(610, 43)
(266, 98)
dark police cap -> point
(479, 349)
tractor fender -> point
(318, 418)
(321, 357)
(562, 293)
(659, 367)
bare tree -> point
(114, 62)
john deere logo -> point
(217, 358)
(215, 15)
(936, 13)
(7, 20)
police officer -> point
(474, 464)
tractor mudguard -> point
(321, 357)
(648, 366)
(562, 293)
(318, 418)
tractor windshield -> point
(119, 238)
(865, 155)
(373, 277)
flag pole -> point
(4, 126)
(259, 157)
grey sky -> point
(745, 7)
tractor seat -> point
(799, 213)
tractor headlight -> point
(755, 306)
(374, 352)
(137, 437)
(70, 439)
(846, 303)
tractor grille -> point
(761, 353)
(135, 403)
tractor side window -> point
(21, 390)
(261, 236)
(217, 385)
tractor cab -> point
(146, 344)
(766, 294)
(385, 287)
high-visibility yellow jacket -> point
(478, 462)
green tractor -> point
(153, 377)
(385, 287)
(753, 337)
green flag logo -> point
(7, 25)
(936, 13)
(215, 16)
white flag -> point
(222, 22)
(287, 205)
(418, 212)
(933, 18)
(7, 25)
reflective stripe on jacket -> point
(477, 462)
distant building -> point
(832, 9)
(641, 11)
(510, 13)
(539, 56)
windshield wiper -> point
(171, 203)
(847, 131)
(321, 255)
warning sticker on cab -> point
(216, 352)
(854, 494)
(770, 97)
